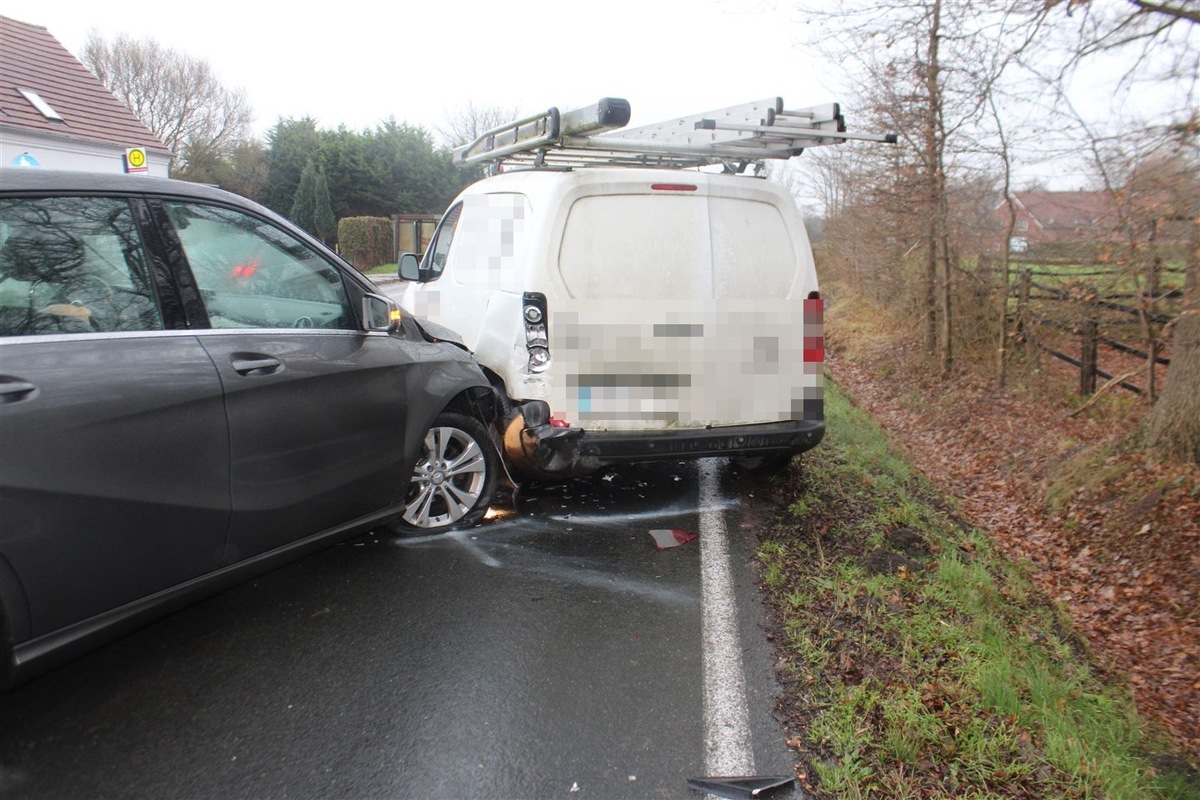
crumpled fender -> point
(438, 333)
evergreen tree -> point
(324, 222)
(304, 202)
(392, 169)
(290, 144)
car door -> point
(317, 407)
(113, 442)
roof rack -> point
(734, 137)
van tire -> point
(762, 466)
(455, 476)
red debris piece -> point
(665, 538)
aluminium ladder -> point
(733, 137)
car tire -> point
(455, 476)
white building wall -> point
(57, 153)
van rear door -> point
(685, 305)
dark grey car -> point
(191, 390)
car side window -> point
(253, 274)
(436, 259)
(73, 265)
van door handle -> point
(255, 364)
(14, 390)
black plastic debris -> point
(744, 787)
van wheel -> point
(455, 476)
(762, 466)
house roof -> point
(1071, 211)
(1064, 217)
(31, 58)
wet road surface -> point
(550, 652)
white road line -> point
(727, 746)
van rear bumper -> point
(537, 448)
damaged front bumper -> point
(536, 448)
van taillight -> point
(673, 187)
(814, 328)
(537, 337)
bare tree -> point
(178, 97)
(1173, 424)
(241, 169)
(866, 197)
(1187, 10)
(1010, 225)
(1133, 26)
(465, 123)
(927, 69)
(1157, 181)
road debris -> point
(737, 788)
(666, 538)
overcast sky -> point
(357, 63)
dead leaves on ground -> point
(1122, 556)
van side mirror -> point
(380, 314)
(409, 268)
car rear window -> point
(73, 265)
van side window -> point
(492, 243)
(252, 274)
(435, 258)
(73, 265)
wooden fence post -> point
(1087, 366)
(1024, 326)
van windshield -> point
(676, 247)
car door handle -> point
(14, 390)
(255, 364)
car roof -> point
(23, 180)
(14, 180)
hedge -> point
(366, 242)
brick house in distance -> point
(54, 114)
(1060, 218)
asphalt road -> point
(551, 652)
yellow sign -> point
(135, 160)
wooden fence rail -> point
(1087, 329)
(1052, 293)
(1092, 273)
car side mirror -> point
(409, 268)
(380, 314)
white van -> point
(630, 313)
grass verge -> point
(919, 663)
